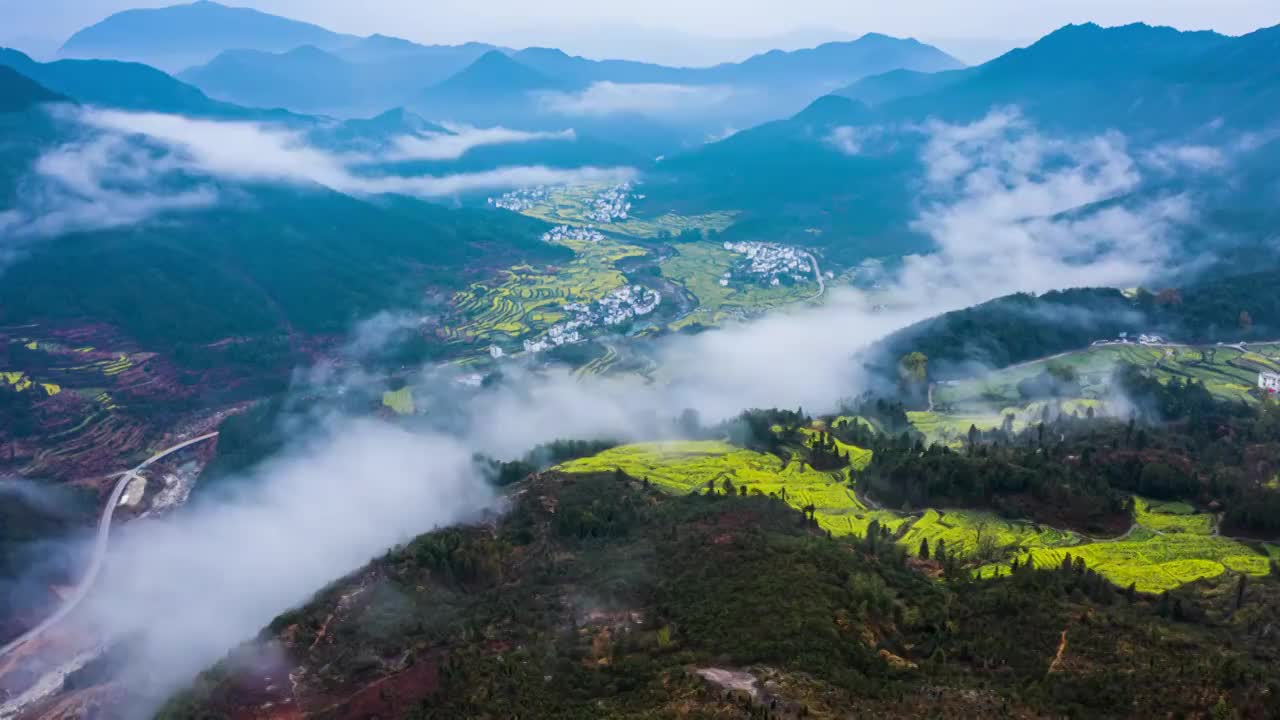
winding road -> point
(99, 548)
(817, 273)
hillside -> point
(1075, 78)
(839, 62)
(492, 76)
(123, 85)
(215, 275)
(19, 92)
(845, 161)
(367, 77)
(180, 36)
(600, 596)
(1019, 328)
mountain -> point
(845, 162)
(601, 595)
(123, 85)
(364, 78)
(306, 79)
(372, 134)
(580, 70)
(176, 37)
(384, 49)
(1136, 78)
(836, 63)
(493, 90)
(215, 274)
(19, 92)
(493, 76)
(896, 84)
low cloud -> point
(100, 182)
(126, 167)
(847, 139)
(462, 139)
(1177, 158)
(611, 98)
(187, 588)
(1012, 210)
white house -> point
(1269, 382)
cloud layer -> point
(611, 98)
(462, 139)
(128, 167)
(187, 588)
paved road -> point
(99, 547)
(817, 273)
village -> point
(561, 233)
(769, 264)
(1126, 339)
(522, 199)
(611, 204)
(617, 307)
(1269, 382)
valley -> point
(349, 376)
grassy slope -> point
(1169, 548)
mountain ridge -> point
(181, 35)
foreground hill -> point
(598, 596)
(183, 35)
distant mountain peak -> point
(179, 36)
(494, 73)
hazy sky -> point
(689, 30)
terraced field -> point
(699, 267)
(79, 396)
(571, 205)
(529, 300)
(1154, 562)
(526, 301)
(399, 401)
(1226, 371)
(951, 428)
(859, 458)
(1170, 545)
(693, 466)
(1171, 517)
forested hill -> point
(1023, 327)
(600, 596)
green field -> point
(527, 301)
(1171, 517)
(1226, 371)
(951, 428)
(570, 206)
(692, 466)
(1171, 544)
(1154, 562)
(699, 267)
(400, 401)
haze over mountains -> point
(251, 58)
(843, 175)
